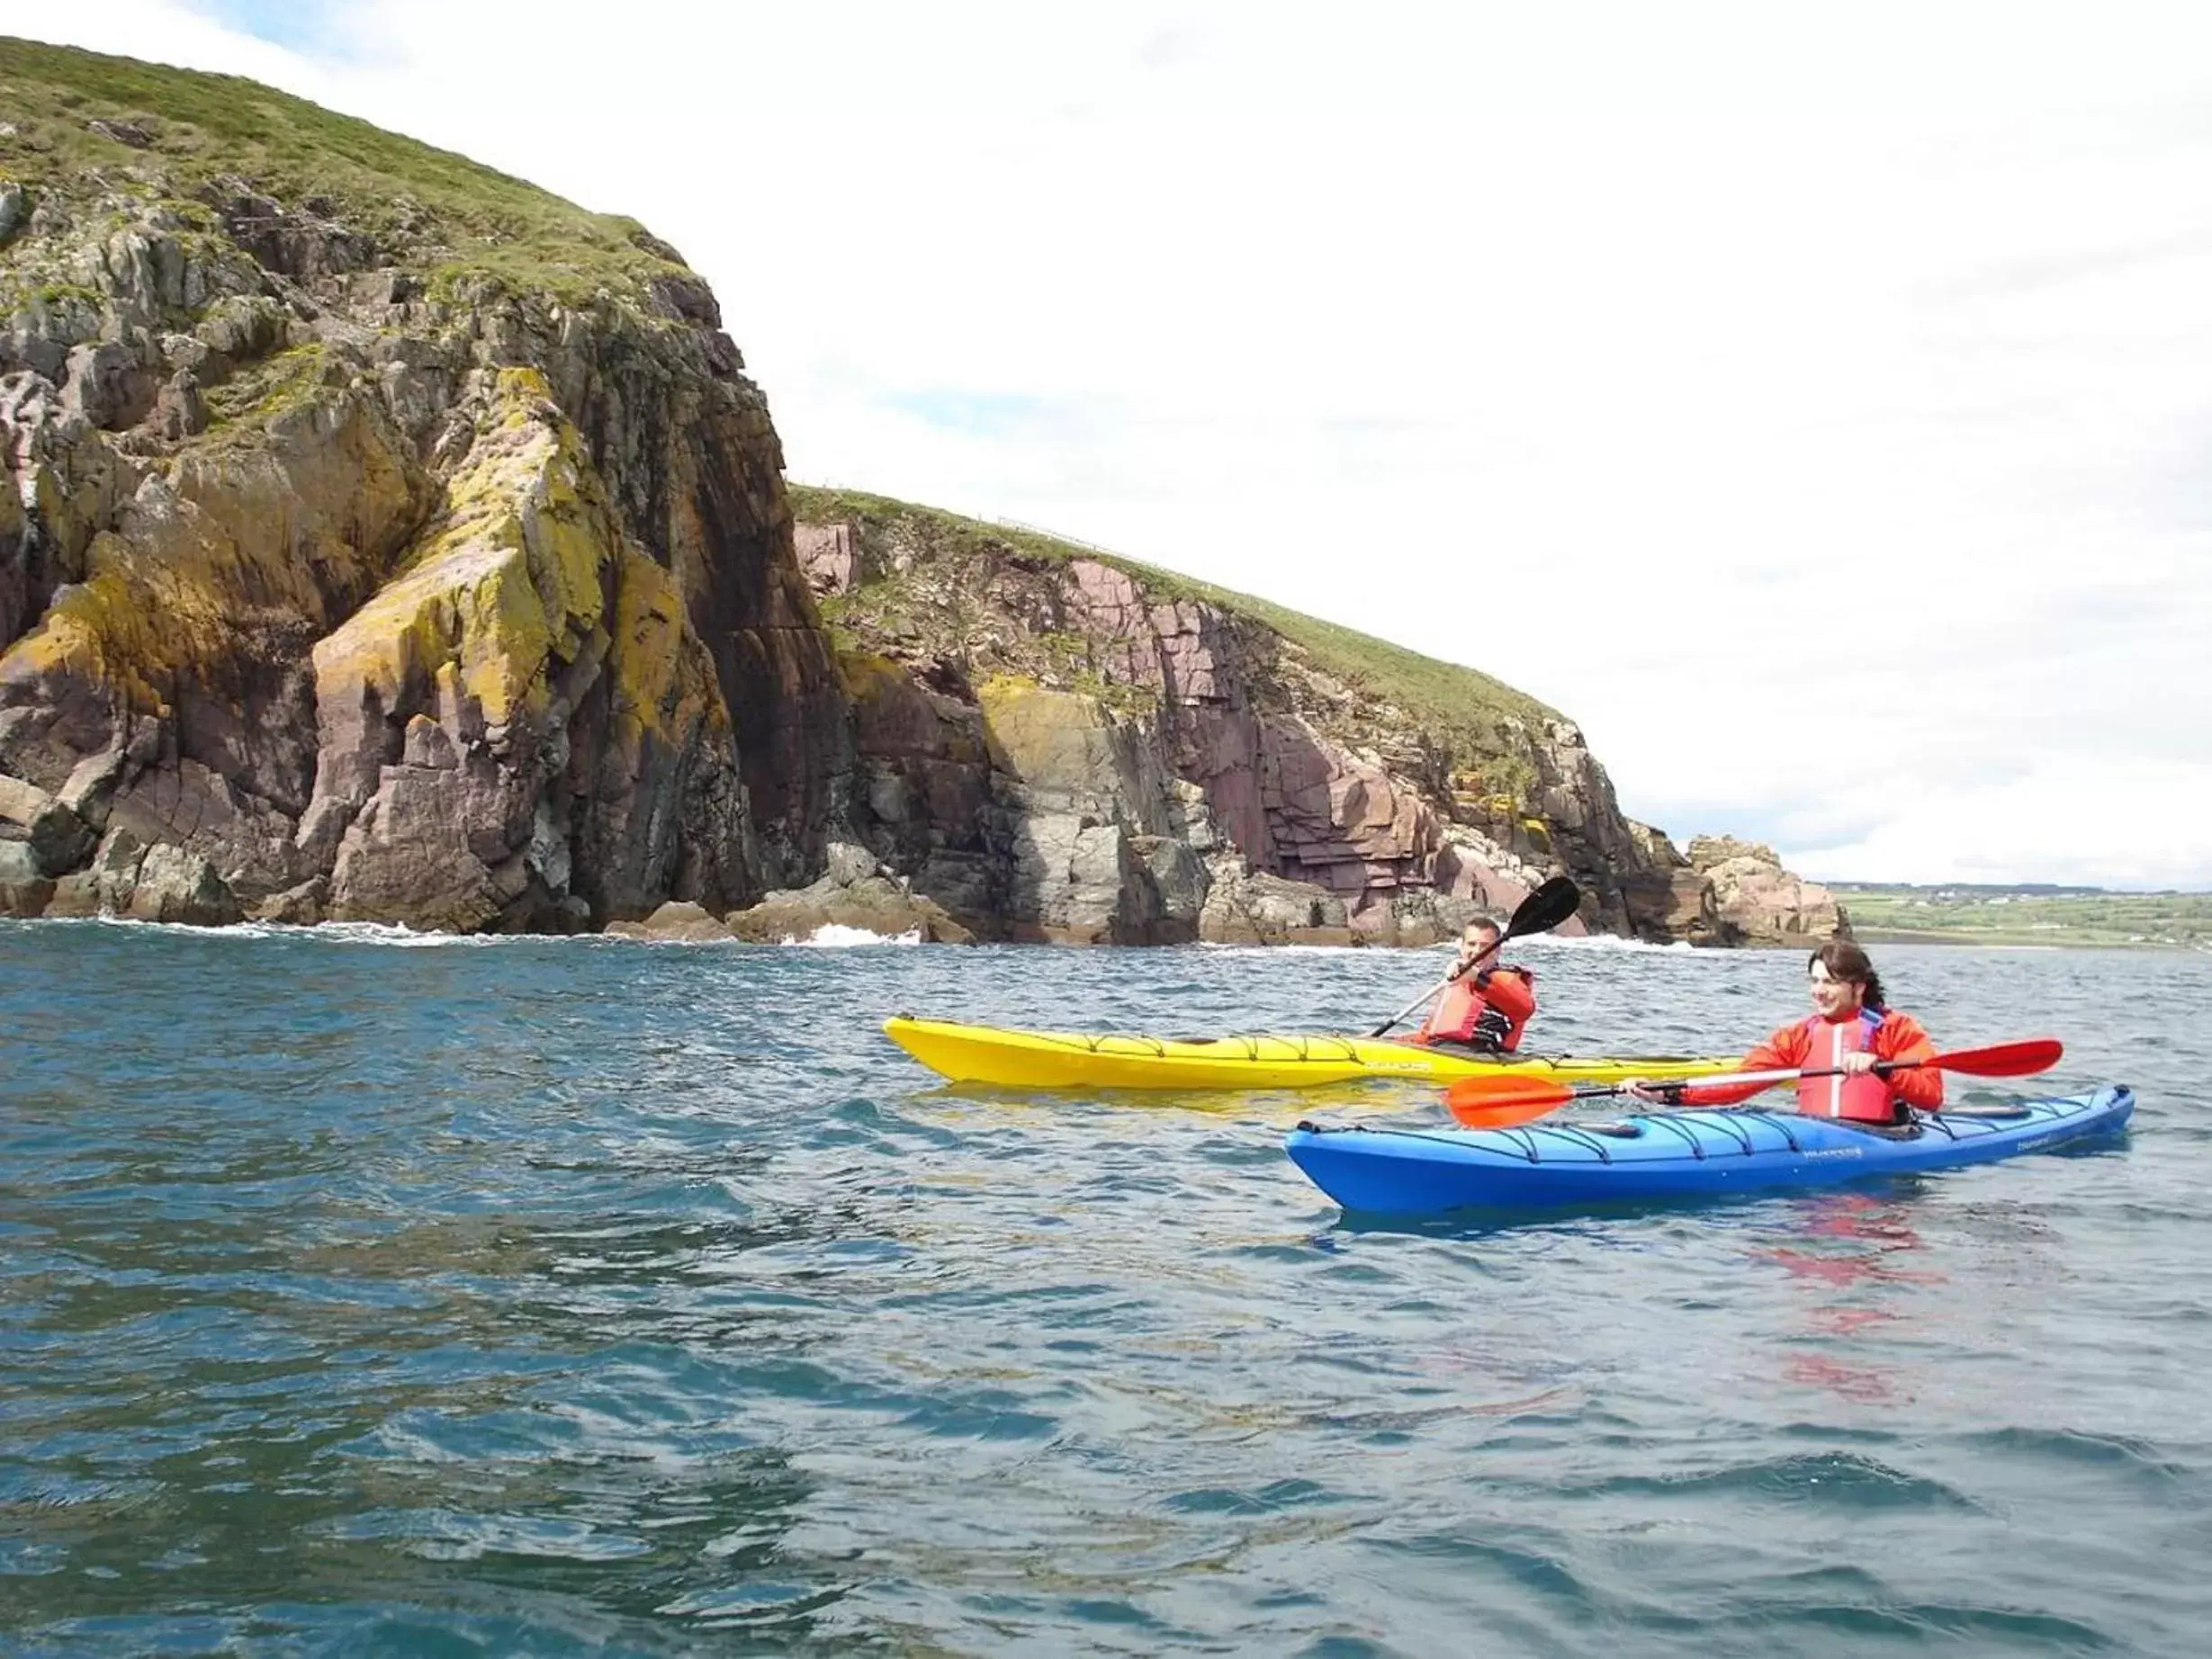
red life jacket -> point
(1463, 1014)
(1865, 1099)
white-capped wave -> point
(833, 936)
(1600, 941)
(1447, 947)
(392, 936)
(1271, 950)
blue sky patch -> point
(982, 414)
(304, 26)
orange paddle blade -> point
(1479, 1100)
(1493, 1115)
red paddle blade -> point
(1489, 1095)
(2005, 1059)
(1499, 1114)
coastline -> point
(2018, 941)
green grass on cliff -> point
(445, 209)
(1460, 705)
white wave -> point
(1604, 941)
(389, 934)
(1538, 942)
(392, 936)
(832, 936)
(1271, 951)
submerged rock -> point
(678, 920)
(855, 892)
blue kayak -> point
(1672, 1154)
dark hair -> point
(1844, 961)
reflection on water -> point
(1848, 1274)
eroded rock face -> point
(523, 692)
(161, 883)
(1034, 731)
(1675, 893)
(1052, 752)
(1247, 907)
(1760, 902)
(1082, 808)
(828, 554)
(381, 592)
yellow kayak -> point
(1090, 1060)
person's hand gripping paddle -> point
(1542, 911)
(1500, 1102)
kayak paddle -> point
(1500, 1102)
(1542, 911)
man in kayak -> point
(1851, 1031)
(1484, 1007)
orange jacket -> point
(1497, 1002)
(1898, 1036)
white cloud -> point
(2071, 823)
(1814, 406)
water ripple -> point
(365, 1291)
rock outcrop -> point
(1757, 902)
(413, 551)
(1056, 743)
(855, 892)
(679, 922)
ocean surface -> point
(367, 1294)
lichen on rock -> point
(392, 537)
(1124, 707)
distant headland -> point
(385, 538)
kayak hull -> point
(1015, 1059)
(1660, 1155)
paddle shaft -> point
(1495, 1102)
(1504, 1114)
(2022, 1059)
(1429, 995)
(1605, 1091)
(1880, 1068)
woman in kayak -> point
(1851, 1031)
(1485, 1008)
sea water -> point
(366, 1291)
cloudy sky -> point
(1813, 403)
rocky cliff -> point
(1054, 742)
(383, 538)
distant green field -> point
(1975, 915)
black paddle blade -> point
(1544, 910)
